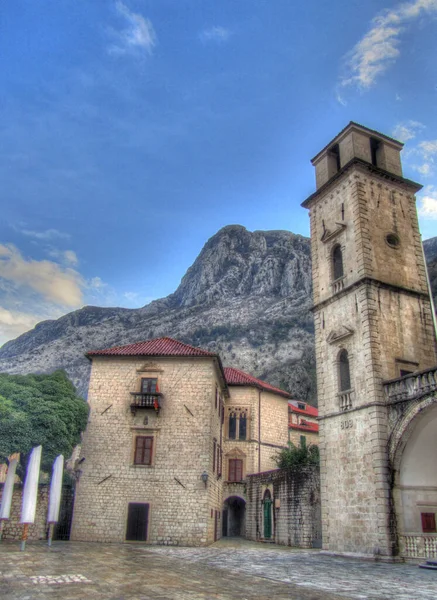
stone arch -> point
(234, 516)
(412, 454)
(405, 427)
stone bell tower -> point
(372, 323)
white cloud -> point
(379, 48)
(216, 34)
(428, 203)
(48, 234)
(407, 130)
(55, 283)
(67, 257)
(426, 152)
(14, 323)
(138, 35)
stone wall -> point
(13, 529)
(295, 509)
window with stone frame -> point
(143, 454)
(344, 371)
(428, 522)
(337, 263)
(235, 469)
(238, 423)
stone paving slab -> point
(312, 570)
(225, 571)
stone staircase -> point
(430, 564)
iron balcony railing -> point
(142, 400)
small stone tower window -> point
(374, 147)
(335, 152)
(337, 262)
(345, 377)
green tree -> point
(294, 457)
(40, 409)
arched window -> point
(232, 426)
(242, 428)
(345, 377)
(337, 262)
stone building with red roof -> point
(171, 438)
(303, 427)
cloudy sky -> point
(132, 130)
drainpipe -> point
(259, 431)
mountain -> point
(247, 296)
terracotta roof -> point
(311, 411)
(237, 377)
(164, 346)
(313, 427)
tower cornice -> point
(365, 167)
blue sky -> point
(131, 131)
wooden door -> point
(137, 522)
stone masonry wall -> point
(296, 507)
(13, 529)
(180, 503)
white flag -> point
(8, 488)
(30, 490)
(55, 490)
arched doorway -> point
(234, 514)
(267, 515)
(415, 484)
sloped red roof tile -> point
(164, 346)
(311, 411)
(313, 427)
(237, 377)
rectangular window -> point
(235, 469)
(428, 522)
(303, 441)
(148, 385)
(143, 450)
(214, 446)
(232, 426)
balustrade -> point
(410, 386)
(418, 545)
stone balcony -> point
(411, 386)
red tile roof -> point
(313, 427)
(164, 346)
(237, 377)
(311, 411)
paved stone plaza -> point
(228, 569)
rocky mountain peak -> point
(236, 262)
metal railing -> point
(140, 400)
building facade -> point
(303, 428)
(170, 441)
(374, 330)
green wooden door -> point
(267, 518)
